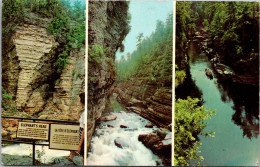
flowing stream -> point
(236, 123)
(43, 153)
(133, 152)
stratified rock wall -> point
(32, 43)
(28, 63)
(148, 99)
(65, 102)
(29, 72)
(107, 29)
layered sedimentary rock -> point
(152, 101)
(28, 63)
(160, 142)
(70, 84)
(148, 99)
(29, 72)
(107, 28)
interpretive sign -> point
(64, 137)
(30, 130)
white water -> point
(105, 152)
(42, 153)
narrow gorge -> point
(217, 76)
(143, 122)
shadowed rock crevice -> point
(107, 29)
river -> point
(21, 154)
(236, 123)
(133, 152)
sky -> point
(144, 16)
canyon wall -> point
(108, 27)
(28, 72)
(149, 99)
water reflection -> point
(246, 105)
(245, 98)
(236, 121)
(188, 88)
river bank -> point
(236, 121)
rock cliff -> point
(148, 99)
(107, 29)
(28, 62)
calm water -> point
(236, 123)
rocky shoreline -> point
(220, 69)
(159, 141)
(153, 102)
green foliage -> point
(7, 99)
(185, 24)
(189, 123)
(179, 76)
(95, 54)
(67, 22)
(13, 15)
(139, 39)
(57, 81)
(233, 28)
(69, 35)
(62, 61)
(152, 59)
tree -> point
(139, 39)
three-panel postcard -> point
(129, 83)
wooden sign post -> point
(32, 130)
(60, 136)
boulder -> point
(150, 125)
(162, 132)
(123, 126)
(149, 139)
(157, 163)
(108, 118)
(169, 127)
(120, 143)
(110, 126)
(159, 145)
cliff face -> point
(107, 28)
(28, 64)
(148, 99)
(65, 102)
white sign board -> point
(64, 137)
(30, 130)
